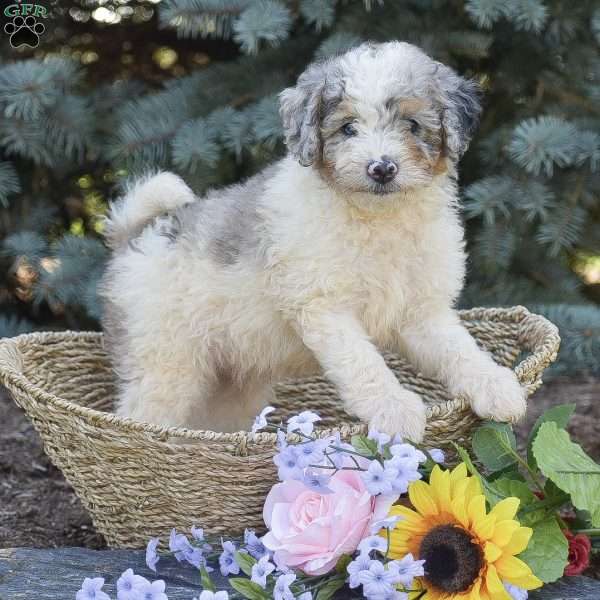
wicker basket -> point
(137, 483)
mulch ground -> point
(38, 507)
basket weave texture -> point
(138, 480)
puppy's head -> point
(380, 119)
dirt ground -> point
(38, 507)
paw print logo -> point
(24, 31)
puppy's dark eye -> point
(349, 129)
(414, 126)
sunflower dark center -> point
(452, 558)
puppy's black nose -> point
(382, 171)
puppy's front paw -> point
(497, 395)
(404, 413)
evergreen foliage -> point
(70, 138)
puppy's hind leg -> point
(169, 397)
(234, 406)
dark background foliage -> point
(116, 87)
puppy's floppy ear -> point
(300, 108)
(461, 108)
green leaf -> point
(506, 488)
(245, 561)
(511, 472)
(561, 415)
(248, 589)
(206, 581)
(547, 551)
(464, 456)
(330, 588)
(494, 445)
(531, 510)
(363, 445)
(569, 467)
(490, 494)
(343, 563)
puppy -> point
(350, 244)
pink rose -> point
(310, 531)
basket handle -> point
(541, 337)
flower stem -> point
(591, 532)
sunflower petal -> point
(504, 532)
(519, 540)
(473, 486)
(459, 510)
(506, 509)
(459, 472)
(529, 582)
(406, 513)
(483, 595)
(510, 567)
(459, 488)
(494, 585)
(491, 552)
(475, 591)
(484, 528)
(439, 482)
(422, 499)
(476, 508)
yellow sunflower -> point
(468, 552)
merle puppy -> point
(350, 244)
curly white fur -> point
(309, 265)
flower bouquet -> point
(383, 519)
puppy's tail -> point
(149, 197)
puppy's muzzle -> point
(382, 171)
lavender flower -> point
(361, 563)
(408, 451)
(437, 455)
(377, 582)
(153, 591)
(197, 533)
(287, 461)
(387, 523)
(309, 453)
(516, 593)
(373, 542)
(183, 550)
(406, 472)
(179, 545)
(394, 595)
(227, 560)
(254, 545)
(152, 557)
(281, 440)
(208, 595)
(379, 479)
(261, 570)
(196, 558)
(91, 589)
(129, 584)
(282, 591)
(260, 422)
(380, 438)
(337, 454)
(407, 569)
(304, 422)
(317, 482)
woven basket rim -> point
(543, 350)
